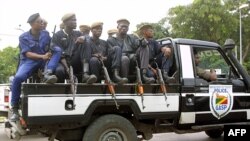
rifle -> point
(109, 82)
(139, 87)
(161, 81)
(72, 79)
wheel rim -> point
(113, 135)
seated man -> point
(99, 50)
(122, 49)
(72, 43)
(33, 54)
(150, 49)
(209, 76)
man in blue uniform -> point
(33, 56)
(123, 47)
(73, 43)
(150, 49)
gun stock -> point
(109, 83)
(139, 88)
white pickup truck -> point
(190, 104)
(4, 99)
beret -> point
(96, 24)
(67, 16)
(33, 17)
(145, 26)
(124, 21)
(112, 31)
(84, 27)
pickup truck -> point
(191, 103)
(4, 99)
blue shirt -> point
(28, 43)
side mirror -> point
(229, 44)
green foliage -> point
(8, 63)
(160, 31)
(203, 19)
(212, 20)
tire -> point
(214, 133)
(110, 127)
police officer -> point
(111, 32)
(85, 29)
(207, 75)
(123, 47)
(150, 49)
(72, 43)
(33, 56)
(99, 49)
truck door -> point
(204, 101)
(220, 100)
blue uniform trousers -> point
(26, 68)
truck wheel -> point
(110, 127)
(214, 133)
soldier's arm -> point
(209, 76)
(26, 49)
(135, 41)
(110, 42)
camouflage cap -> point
(124, 21)
(96, 24)
(145, 26)
(112, 31)
(33, 17)
(67, 16)
(84, 27)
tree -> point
(203, 19)
(160, 31)
(211, 20)
(8, 64)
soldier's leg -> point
(25, 70)
(116, 55)
(51, 67)
(144, 62)
(95, 67)
(60, 73)
(85, 55)
(165, 64)
(125, 66)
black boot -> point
(146, 79)
(166, 78)
(117, 78)
(49, 78)
(86, 77)
(15, 114)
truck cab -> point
(191, 103)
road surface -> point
(201, 136)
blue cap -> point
(33, 17)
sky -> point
(14, 14)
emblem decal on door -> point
(221, 100)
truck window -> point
(210, 59)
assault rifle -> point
(139, 87)
(108, 81)
(160, 80)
